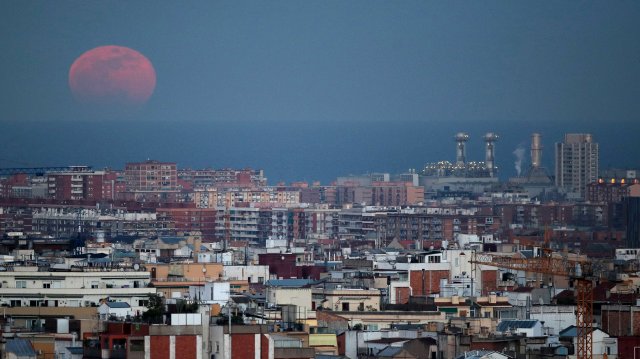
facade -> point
(202, 220)
(633, 217)
(263, 195)
(223, 178)
(78, 183)
(28, 287)
(576, 163)
(251, 274)
(352, 300)
(396, 194)
(384, 224)
(68, 221)
(610, 191)
(151, 176)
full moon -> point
(112, 75)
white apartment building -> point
(28, 287)
(252, 274)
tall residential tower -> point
(576, 163)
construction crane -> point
(577, 269)
(39, 171)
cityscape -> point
(431, 263)
(319, 180)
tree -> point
(183, 306)
(235, 319)
(155, 309)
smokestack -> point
(490, 153)
(461, 152)
(536, 150)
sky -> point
(310, 90)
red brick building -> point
(621, 320)
(255, 341)
(489, 281)
(426, 282)
(609, 191)
(285, 266)
(396, 194)
(19, 179)
(113, 184)
(119, 340)
(402, 295)
(191, 219)
(174, 346)
(151, 176)
(79, 183)
(629, 347)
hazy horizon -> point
(316, 89)
(290, 151)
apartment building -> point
(27, 286)
(151, 176)
(387, 223)
(576, 163)
(396, 194)
(77, 183)
(187, 219)
(223, 178)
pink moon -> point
(112, 75)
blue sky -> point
(343, 72)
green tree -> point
(183, 306)
(155, 309)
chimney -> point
(490, 153)
(536, 150)
(461, 139)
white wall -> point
(211, 292)
(300, 297)
(244, 273)
(555, 317)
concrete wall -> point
(247, 272)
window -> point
(137, 346)
(21, 284)
(16, 303)
(46, 285)
(345, 307)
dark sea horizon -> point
(296, 151)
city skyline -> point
(319, 178)
(314, 90)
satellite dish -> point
(136, 266)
